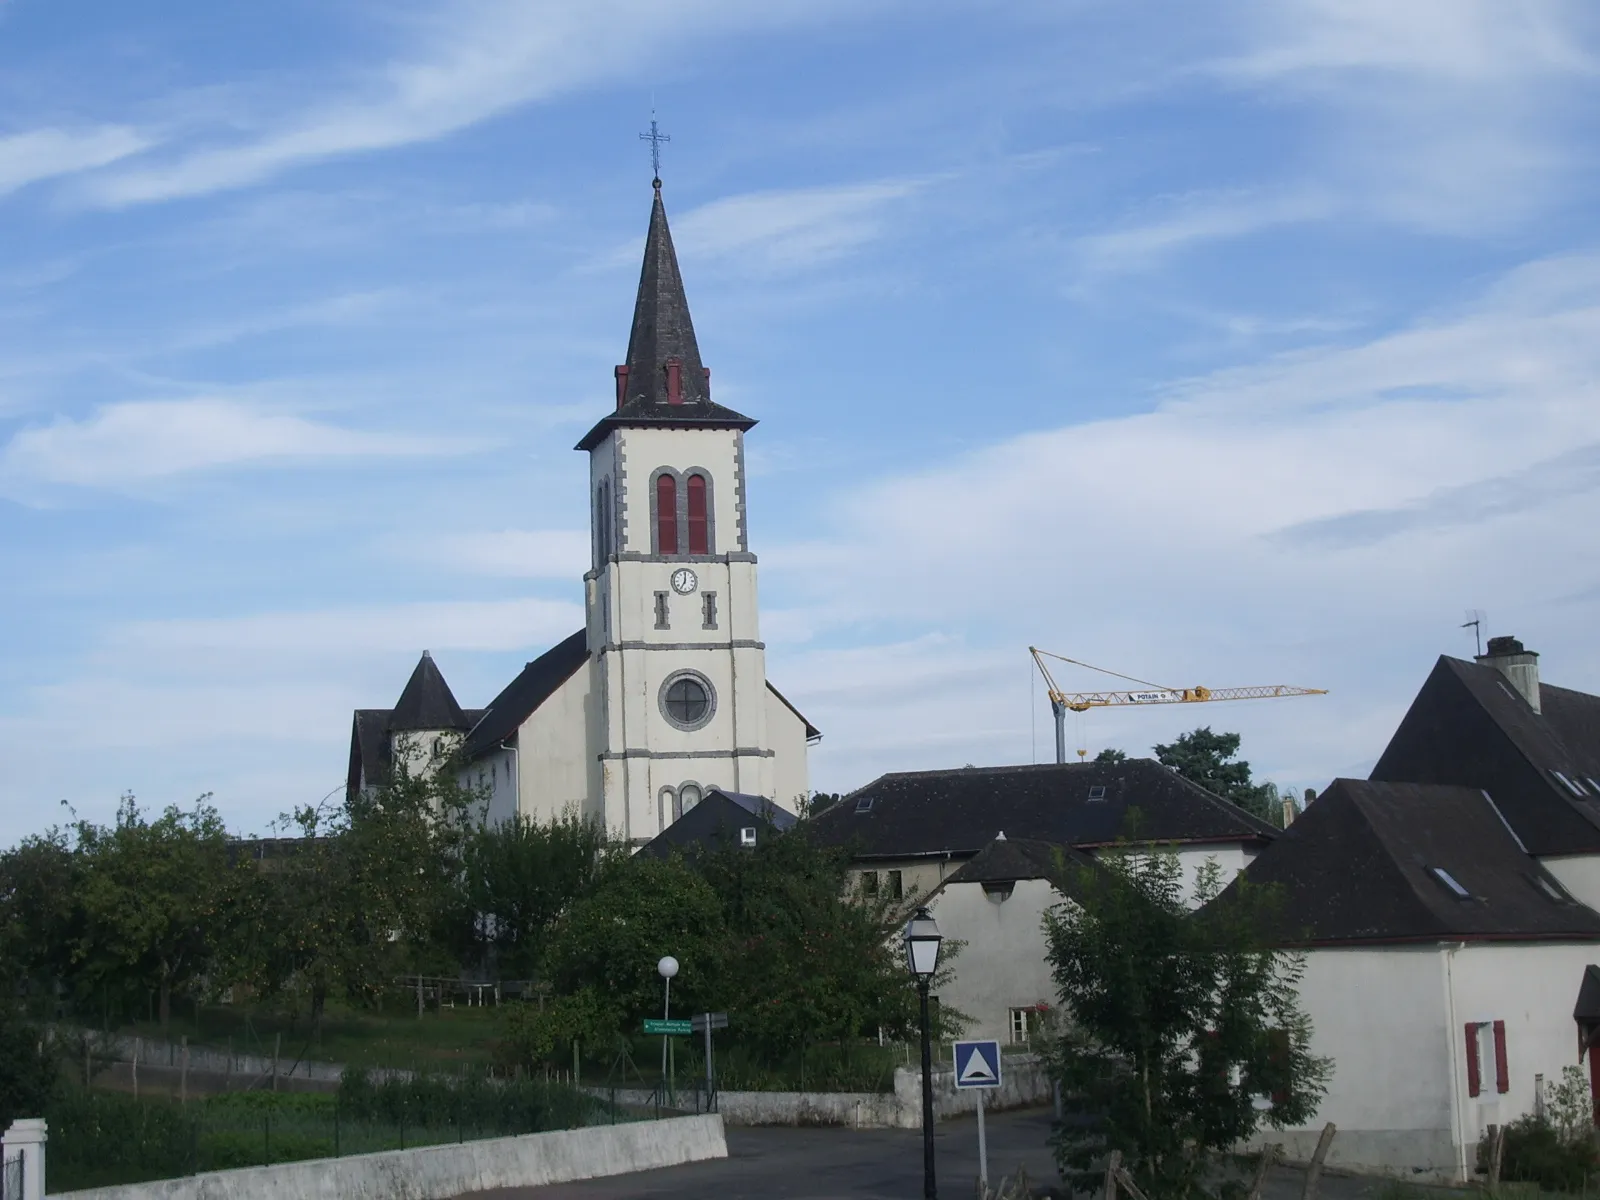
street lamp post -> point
(922, 940)
(667, 967)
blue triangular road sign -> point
(977, 1064)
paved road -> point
(841, 1164)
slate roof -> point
(534, 684)
(1359, 866)
(662, 329)
(716, 820)
(1008, 859)
(958, 812)
(427, 702)
(1469, 726)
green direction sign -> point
(669, 1027)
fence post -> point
(135, 1068)
(336, 1128)
(1113, 1165)
(1497, 1146)
(183, 1073)
(277, 1045)
(26, 1137)
(1268, 1152)
(1318, 1157)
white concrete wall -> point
(552, 755)
(1579, 874)
(1002, 966)
(1394, 1021)
(1232, 857)
(444, 1172)
(786, 738)
(495, 776)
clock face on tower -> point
(684, 581)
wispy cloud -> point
(472, 60)
(1191, 220)
(768, 232)
(124, 445)
(40, 154)
(506, 553)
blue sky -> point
(1236, 343)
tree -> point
(1176, 1023)
(1208, 759)
(520, 876)
(39, 910)
(807, 962)
(1109, 755)
(639, 910)
(154, 895)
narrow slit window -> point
(666, 515)
(869, 883)
(897, 887)
(661, 610)
(699, 521)
(1450, 882)
(709, 616)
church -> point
(663, 695)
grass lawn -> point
(441, 1039)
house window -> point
(864, 804)
(1097, 792)
(661, 610)
(688, 796)
(665, 804)
(869, 883)
(687, 700)
(708, 602)
(896, 884)
(1483, 1039)
(747, 836)
(1022, 1021)
(666, 514)
(998, 892)
(699, 519)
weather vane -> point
(655, 137)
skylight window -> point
(1449, 881)
(1575, 789)
(1592, 783)
(1097, 792)
(864, 804)
(1551, 889)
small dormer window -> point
(864, 804)
(747, 836)
(1097, 792)
(1451, 884)
(998, 891)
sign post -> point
(705, 1023)
(978, 1066)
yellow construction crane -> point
(1153, 693)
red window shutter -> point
(1502, 1072)
(699, 529)
(1474, 1083)
(666, 515)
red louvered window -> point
(1474, 1076)
(1502, 1071)
(666, 515)
(699, 525)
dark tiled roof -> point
(1469, 726)
(369, 749)
(534, 684)
(717, 820)
(958, 812)
(1008, 859)
(812, 732)
(662, 330)
(426, 702)
(1359, 865)
(1587, 1009)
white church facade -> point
(663, 695)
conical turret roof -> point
(427, 702)
(660, 343)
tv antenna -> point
(1474, 622)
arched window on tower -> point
(699, 523)
(666, 514)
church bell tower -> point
(680, 697)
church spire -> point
(663, 364)
(663, 381)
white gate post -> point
(28, 1135)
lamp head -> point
(668, 967)
(922, 940)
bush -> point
(29, 1070)
(1536, 1152)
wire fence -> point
(11, 1177)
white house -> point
(1443, 962)
(663, 695)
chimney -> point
(674, 381)
(1518, 665)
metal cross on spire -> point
(655, 137)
